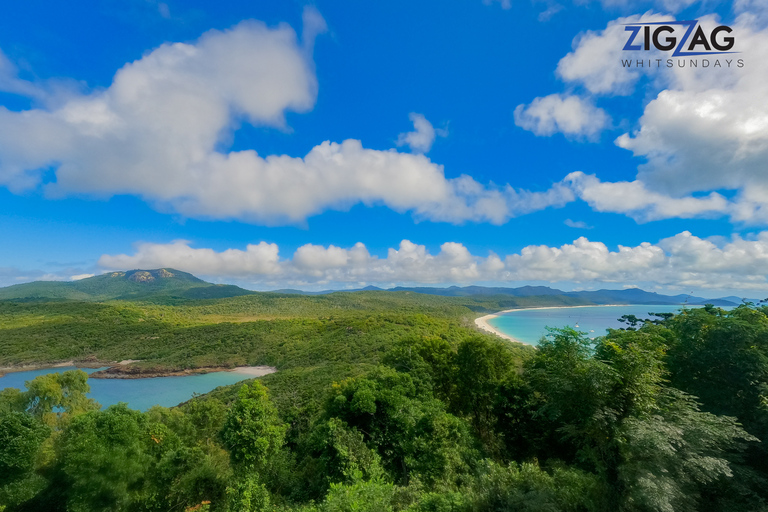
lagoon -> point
(142, 393)
(529, 325)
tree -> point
(20, 438)
(252, 431)
(652, 446)
(722, 358)
(481, 368)
(412, 433)
(104, 458)
(58, 396)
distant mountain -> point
(739, 300)
(293, 291)
(627, 296)
(168, 283)
(130, 285)
(632, 296)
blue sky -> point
(341, 144)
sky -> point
(338, 144)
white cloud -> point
(578, 224)
(595, 62)
(570, 115)
(635, 200)
(550, 11)
(754, 12)
(709, 129)
(681, 261)
(157, 130)
(256, 259)
(78, 277)
(423, 135)
(705, 131)
(584, 261)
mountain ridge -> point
(139, 284)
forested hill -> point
(598, 297)
(130, 285)
(165, 284)
(627, 296)
(387, 402)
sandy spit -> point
(254, 371)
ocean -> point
(529, 325)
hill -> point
(130, 285)
(628, 296)
(169, 285)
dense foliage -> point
(390, 402)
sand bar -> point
(254, 371)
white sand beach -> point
(254, 371)
(483, 324)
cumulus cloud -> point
(704, 130)
(158, 129)
(634, 199)
(683, 260)
(595, 62)
(423, 135)
(709, 129)
(256, 259)
(570, 115)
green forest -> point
(387, 402)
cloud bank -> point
(681, 261)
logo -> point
(668, 36)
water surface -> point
(140, 394)
(529, 325)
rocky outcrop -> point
(141, 276)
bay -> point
(529, 325)
(140, 394)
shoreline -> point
(482, 322)
(127, 372)
(483, 325)
(121, 370)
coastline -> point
(482, 322)
(254, 371)
(45, 366)
(483, 325)
(133, 372)
(121, 370)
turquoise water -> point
(140, 394)
(529, 325)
